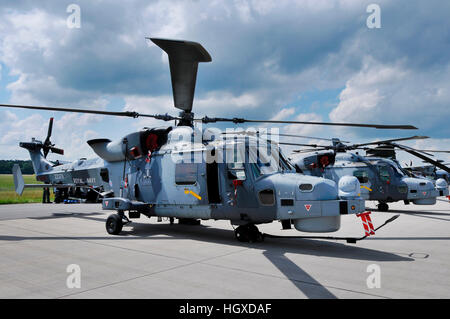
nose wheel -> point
(115, 222)
(248, 233)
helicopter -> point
(429, 171)
(83, 178)
(190, 173)
(380, 174)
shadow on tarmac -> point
(274, 249)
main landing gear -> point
(383, 207)
(115, 222)
(248, 233)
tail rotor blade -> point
(50, 128)
(56, 150)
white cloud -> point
(395, 94)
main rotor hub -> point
(187, 118)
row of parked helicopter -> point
(190, 173)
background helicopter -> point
(382, 178)
(429, 171)
(248, 188)
(86, 179)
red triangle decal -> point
(308, 207)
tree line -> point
(25, 166)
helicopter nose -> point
(421, 191)
(313, 203)
(442, 187)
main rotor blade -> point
(309, 150)
(267, 135)
(310, 137)
(391, 140)
(242, 120)
(184, 57)
(164, 117)
(435, 151)
(425, 158)
(258, 133)
(298, 144)
(390, 149)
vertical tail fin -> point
(40, 163)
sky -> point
(293, 60)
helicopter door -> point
(239, 184)
(212, 180)
(190, 183)
(385, 178)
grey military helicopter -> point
(83, 179)
(429, 171)
(190, 173)
(381, 176)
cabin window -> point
(362, 176)
(105, 175)
(185, 173)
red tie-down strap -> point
(236, 183)
(367, 223)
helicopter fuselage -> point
(187, 177)
(381, 179)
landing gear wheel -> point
(114, 224)
(248, 233)
(383, 207)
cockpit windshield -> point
(263, 158)
(398, 170)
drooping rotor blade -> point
(425, 158)
(164, 117)
(236, 120)
(298, 144)
(310, 137)
(420, 151)
(435, 151)
(415, 149)
(391, 140)
(309, 150)
(380, 148)
(184, 57)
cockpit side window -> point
(384, 173)
(284, 163)
(362, 176)
(255, 170)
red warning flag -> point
(367, 223)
